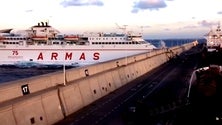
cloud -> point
(204, 23)
(147, 26)
(28, 11)
(190, 27)
(220, 12)
(193, 17)
(135, 10)
(166, 29)
(67, 3)
(148, 4)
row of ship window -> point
(133, 42)
(21, 38)
(16, 38)
(75, 43)
(10, 42)
(40, 42)
(106, 38)
(61, 38)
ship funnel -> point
(42, 23)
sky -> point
(155, 19)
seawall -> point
(49, 98)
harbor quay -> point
(50, 98)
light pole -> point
(64, 70)
(64, 74)
(190, 83)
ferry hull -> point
(71, 56)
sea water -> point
(172, 42)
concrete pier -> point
(46, 99)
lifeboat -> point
(40, 38)
(71, 37)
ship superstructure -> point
(44, 45)
(214, 39)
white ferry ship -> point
(43, 45)
(214, 39)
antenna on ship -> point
(141, 27)
(122, 28)
(125, 34)
(218, 27)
